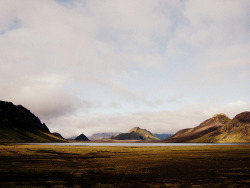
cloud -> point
(176, 98)
(65, 41)
(44, 97)
(133, 18)
(81, 63)
(209, 25)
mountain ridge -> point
(218, 129)
(18, 124)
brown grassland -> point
(85, 166)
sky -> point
(90, 66)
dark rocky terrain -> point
(18, 124)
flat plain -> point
(86, 166)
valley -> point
(84, 166)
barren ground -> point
(86, 166)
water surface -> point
(136, 144)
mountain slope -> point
(57, 135)
(218, 129)
(136, 134)
(208, 126)
(235, 131)
(17, 124)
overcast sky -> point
(87, 66)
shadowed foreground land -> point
(85, 166)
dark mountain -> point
(18, 124)
(136, 134)
(218, 129)
(162, 136)
(81, 137)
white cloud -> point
(176, 98)
(65, 58)
(210, 25)
(62, 41)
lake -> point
(135, 144)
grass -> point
(85, 166)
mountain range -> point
(217, 129)
(18, 124)
(105, 135)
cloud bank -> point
(94, 65)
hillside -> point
(136, 134)
(18, 124)
(218, 129)
(235, 131)
(57, 135)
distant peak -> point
(221, 117)
(136, 134)
(81, 137)
(135, 129)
